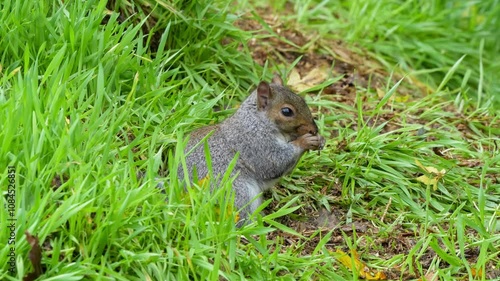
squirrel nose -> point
(308, 128)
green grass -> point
(91, 102)
(421, 39)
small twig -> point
(386, 208)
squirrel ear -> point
(263, 95)
(277, 80)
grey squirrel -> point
(271, 130)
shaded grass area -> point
(421, 39)
(94, 92)
(379, 140)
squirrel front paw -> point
(310, 142)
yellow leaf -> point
(478, 273)
(437, 175)
(204, 181)
(348, 261)
(429, 181)
(403, 98)
(426, 180)
(360, 267)
(380, 93)
(429, 169)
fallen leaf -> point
(402, 98)
(427, 181)
(363, 271)
(293, 78)
(204, 181)
(380, 93)
(433, 177)
(35, 256)
(477, 272)
(315, 77)
(429, 169)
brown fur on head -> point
(286, 109)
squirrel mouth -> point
(291, 137)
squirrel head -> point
(287, 110)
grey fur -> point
(266, 153)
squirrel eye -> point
(286, 111)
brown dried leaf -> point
(360, 267)
(293, 78)
(313, 78)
